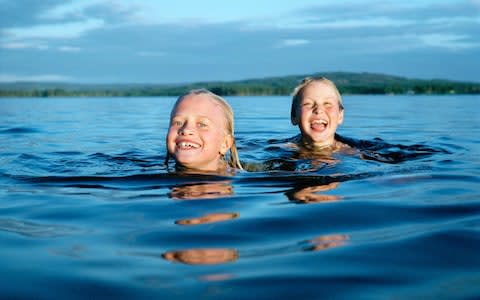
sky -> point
(179, 41)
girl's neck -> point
(222, 169)
(328, 146)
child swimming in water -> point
(201, 133)
(317, 109)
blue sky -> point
(176, 41)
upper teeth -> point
(319, 122)
(186, 144)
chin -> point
(186, 163)
(319, 138)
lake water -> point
(88, 209)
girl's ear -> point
(340, 117)
(294, 115)
(226, 144)
(294, 120)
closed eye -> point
(203, 123)
(176, 123)
(307, 104)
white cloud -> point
(41, 77)
(74, 8)
(23, 45)
(53, 31)
(448, 41)
(292, 43)
(452, 21)
(328, 24)
(68, 49)
(185, 13)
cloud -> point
(172, 41)
(23, 13)
(23, 45)
(360, 15)
(448, 41)
(308, 24)
(37, 46)
(69, 49)
(66, 10)
(292, 43)
(37, 78)
(53, 31)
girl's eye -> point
(308, 104)
(202, 125)
(177, 123)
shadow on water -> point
(278, 165)
(379, 150)
(19, 130)
(282, 154)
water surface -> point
(88, 208)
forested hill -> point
(348, 83)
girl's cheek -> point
(171, 132)
(332, 110)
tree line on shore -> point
(348, 83)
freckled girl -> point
(201, 133)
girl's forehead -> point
(200, 106)
(319, 91)
(198, 103)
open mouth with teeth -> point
(183, 145)
(318, 125)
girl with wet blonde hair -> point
(201, 133)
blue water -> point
(88, 209)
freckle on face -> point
(195, 108)
(320, 94)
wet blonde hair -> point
(233, 159)
(297, 95)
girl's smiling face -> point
(197, 135)
(319, 114)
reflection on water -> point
(328, 241)
(205, 190)
(311, 194)
(202, 256)
(208, 256)
(208, 218)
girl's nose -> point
(185, 129)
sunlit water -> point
(89, 210)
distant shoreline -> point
(348, 84)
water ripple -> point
(37, 230)
(19, 130)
